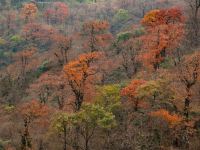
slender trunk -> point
(187, 102)
(186, 107)
(65, 138)
(136, 105)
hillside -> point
(99, 75)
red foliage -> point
(165, 31)
(131, 92)
(36, 32)
(62, 46)
(29, 12)
(57, 13)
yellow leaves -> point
(150, 17)
(171, 119)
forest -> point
(99, 74)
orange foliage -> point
(165, 31)
(172, 119)
(33, 109)
(29, 11)
(77, 72)
(163, 16)
(80, 69)
(131, 92)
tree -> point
(89, 119)
(50, 87)
(122, 15)
(29, 12)
(43, 87)
(189, 74)
(165, 31)
(61, 123)
(30, 112)
(96, 35)
(157, 92)
(77, 72)
(57, 13)
(129, 46)
(193, 21)
(131, 92)
(23, 60)
(9, 21)
(62, 47)
(130, 54)
(38, 34)
(108, 97)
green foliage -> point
(60, 121)
(122, 15)
(90, 116)
(16, 38)
(95, 116)
(1, 145)
(138, 32)
(42, 68)
(123, 36)
(1, 54)
(2, 41)
(109, 97)
(151, 88)
(155, 90)
(167, 63)
(7, 54)
(9, 108)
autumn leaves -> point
(165, 30)
(77, 72)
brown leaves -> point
(190, 70)
(96, 34)
(33, 109)
(96, 26)
(57, 13)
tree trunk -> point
(65, 138)
(186, 107)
